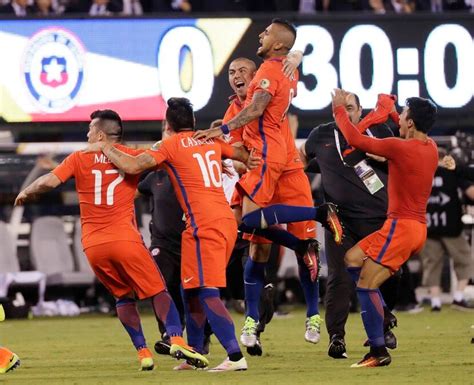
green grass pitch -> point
(433, 348)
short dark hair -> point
(110, 123)
(356, 97)
(180, 114)
(285, 23)
(423, 113)
(288, 26)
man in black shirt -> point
(357, 184)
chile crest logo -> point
(54, 69)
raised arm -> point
(128, 163)
(383, 147)
(253, 111)
(41, 185)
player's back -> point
(106, 197)
(265, 133)
(195, 169)
(411, 171)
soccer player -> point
(264, 120)
(110, 238)
(412, 162)
(297, 192)
(194, 167)
(361, 198)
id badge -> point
(368, 176)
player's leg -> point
(217, 243)
(103, 260)
(372, 276)
(294, 189)
(146, 281)
(325, 214)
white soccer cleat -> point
(230, 366)
(248, 337)
(313, 326)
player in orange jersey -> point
(412, 162)
(195, 170)
(111, 240)
(264, 120)
(293, 189)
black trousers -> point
(169, 262)
(340, 288)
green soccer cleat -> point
(248, 337)
(313, 327)
(183, 351)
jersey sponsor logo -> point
(54, 69)
(156, 146)
(264, 83)
(311, 229)
(186, 280)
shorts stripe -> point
(389, 239)
(264, 156)
(193, 222)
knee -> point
(353, 259)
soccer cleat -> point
(313, 326)
(146, 359)
(267, 307)
(180, 350)
(310, 257)
(462, 306)
(389, 320)
(337, 347)
(390, 340)
(255, 350)
(334, 223)
(248, 337)
(371, 360)
(229, 366)
(8, 360)
(163, 347)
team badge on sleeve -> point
(54, 69)
(264, 83)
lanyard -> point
(338, 145)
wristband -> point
(225, 129)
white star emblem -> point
(53, 70)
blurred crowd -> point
(43, 8)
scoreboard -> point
(62, 69)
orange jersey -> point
(293, 161)
(235, 106)
(195, 170)
(264, 133)
(106, 197)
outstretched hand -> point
(253, 160)
(208, 134)
(448, 162)
(339, 98)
